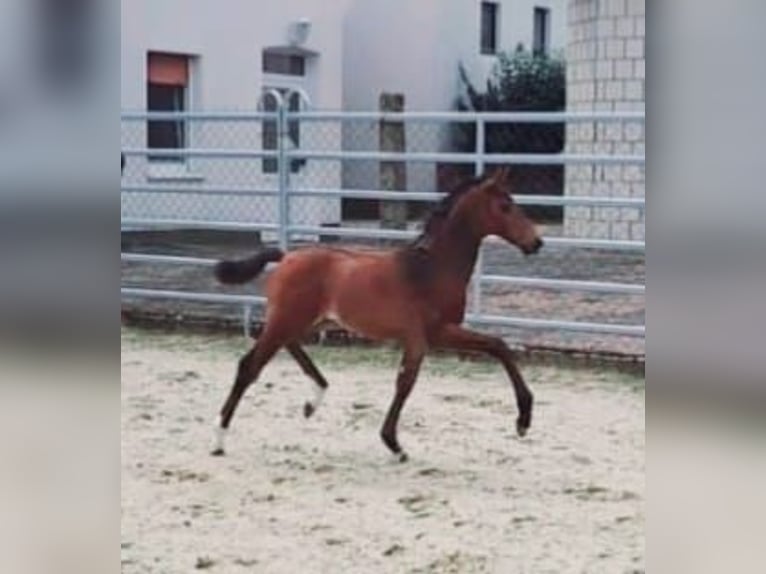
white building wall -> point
(606, 71)
(415, 48)
(227, 40)
(365, 47)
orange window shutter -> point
(168, 69)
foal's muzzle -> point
(535, 247)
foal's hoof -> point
(308, 409)
(400, 457)
(217, 452)
(521, 428)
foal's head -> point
(489, 209)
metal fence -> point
(298, 177)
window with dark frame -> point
(540, 33)
(488, 28)
(284, 64)
(166, 91)
(270, 133)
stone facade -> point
(606, 68)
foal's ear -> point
(498, 181)
(501, 176)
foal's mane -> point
(416, 255)
(439, 214)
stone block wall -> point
(606, 68)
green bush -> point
(520, 82)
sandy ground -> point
(323, 495)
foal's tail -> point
(243, 270)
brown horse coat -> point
(415, 295)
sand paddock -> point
(323, 495)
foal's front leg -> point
(455, 337)
(408, 374)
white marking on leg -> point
(399, 457)
(318, 396)
(220, 434)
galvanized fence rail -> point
(246, 144)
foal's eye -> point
(505, 207)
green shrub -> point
(520, 82)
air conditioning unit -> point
(298, 32)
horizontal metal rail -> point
(166, 259)
(410, 157)
(201, 190)
(341, 116)
(196, 224)
(571, 201)
(488, 117)
(197, 116)
(135, 292)
(372, 233)
(362, 233)
(431, 196)
(175, 260)
(555, 284)
(539, 324)
(605, 244)
(545, 324)
(367, 194)
(580, 201)
(565, 284)
(468, 158)
(244, 153)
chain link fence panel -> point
(331, 175)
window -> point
(488, 27)
(284, 70)
(166, 91)
(270, 133)
(285, 64)
(540, 39)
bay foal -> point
(415, 295)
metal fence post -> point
(479, 269)
(247, 319)
(284, 173)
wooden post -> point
(393, 174)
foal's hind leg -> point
(308, 367)
(250, 367)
